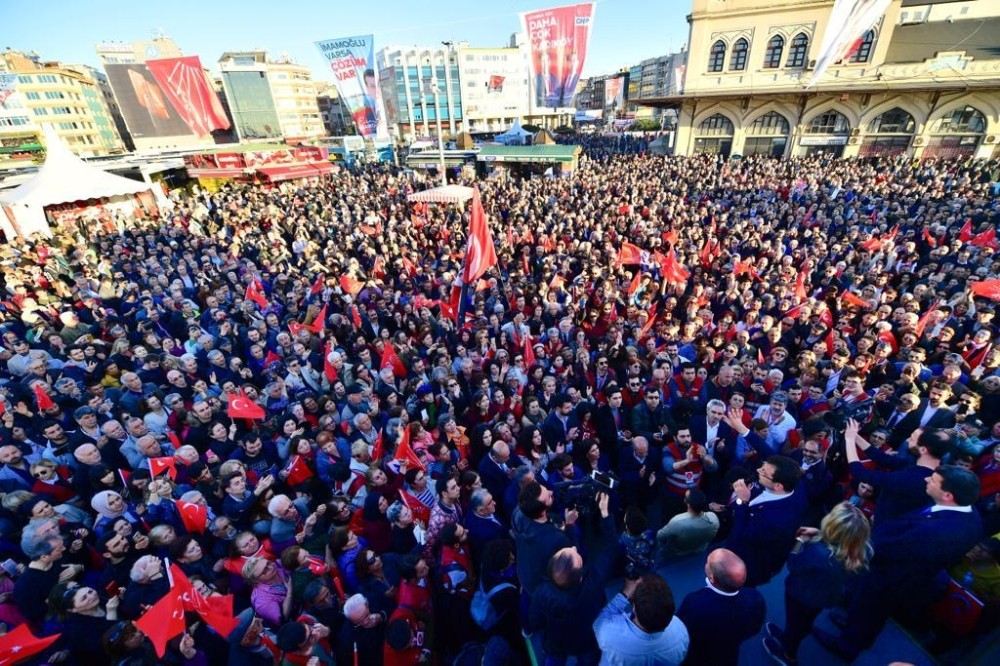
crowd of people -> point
(264, 411)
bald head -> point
(725, 570)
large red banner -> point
(558, 40)
(184, 83)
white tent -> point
(443, 194)
(63, 178)
(515, 136)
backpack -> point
(482, 610)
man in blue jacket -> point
(764, 524)
(724, 613)
(910, 556)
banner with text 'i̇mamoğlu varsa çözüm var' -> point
(352, 61)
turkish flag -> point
(270, 358)
(851, 298)
(480, 253)
(377, 451)
(194, 516)
(163, 621)
(317, 285)
(163, 464)
(319, 323)
(929, 239)
(986, 239)
(634, 284)
(672, 269)
(987, 289)
(350, 286)
(629, 254)
(871, 244)
(391, 360)
(295, 327)
(328, 370)
(417, 508)
(647, 327)
(216, 610)
(174, 439)
(409, 266)
(405, 452)
(298, 471)
(43, 399)
(926, 318)
(355, 316)
(242, 407)
(670, 237)
(19, 644)
(255, 294)
(529, 352)
(800, 286)
(965, 233)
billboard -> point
(184, 83)
(495, 84)
(147, 111)
(352, 61)
(557, 38)
(7, 84)
(613, 89)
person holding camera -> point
(572, 595)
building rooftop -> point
(920, 41)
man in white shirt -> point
(779, 422)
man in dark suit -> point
(650, 419)
(821, 490)
(902, 489)
(561, 426)
(719, 440)
(910, 555)
(482, 521)
(496, 467)
(764, 524)
(930, 413)
(612, 424)
(724, 613)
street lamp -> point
(431, 88)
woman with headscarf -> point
(111, 506)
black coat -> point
(717, 624)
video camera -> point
(581, 494)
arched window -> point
(772, 56)
(893, 121)
(714, 135)
(888, 134)
(717, 56)
(767, 135)
(966, 120)
(830, 122)
(957, 134)
(865, 48)
(798, 51)
(716, 125)
(738, 60)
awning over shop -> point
(446, 194)
(290, 171)
(544, 154)
(216, 173)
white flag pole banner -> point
(849, 21)
(352, 61)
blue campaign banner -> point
(352, 61)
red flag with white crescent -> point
(242, 407)
(480, 253)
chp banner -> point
(352, 60)
(613, 92)
(558, 40)
(183, 82)
(849, 21)
(7, 85)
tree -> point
(645, 125)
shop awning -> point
(288, 172)
(215, 173)
(322, 168)
(539, 154)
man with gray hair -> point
(362, 635)
(482, 522)
(779, 421)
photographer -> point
(572, 596)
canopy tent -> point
(447, 194)
(515, 136)
(660, 146)
(64, 178)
